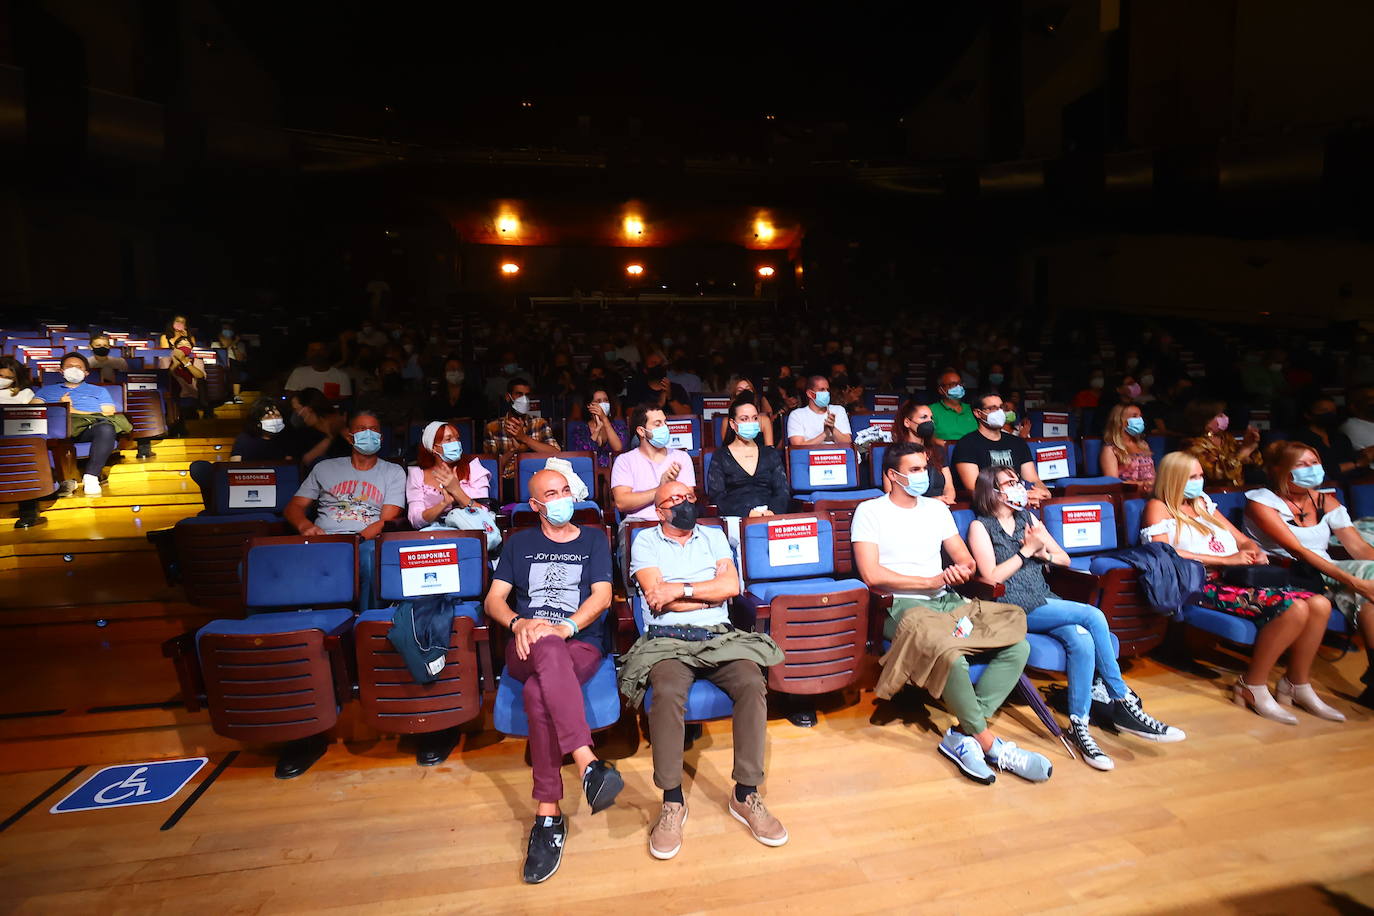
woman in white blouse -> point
(1182, 516)
(14, 382)
(1295, 518)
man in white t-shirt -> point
(1360, 427)
(320, 374)
(898, 539)
(818, 422)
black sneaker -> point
(1366, 699)
(1128, 717)
(546, 848)
(601, 783)
(1101, 713)
(1087, 746)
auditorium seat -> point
(819, 471)
(25, 476)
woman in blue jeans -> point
(1011, 546)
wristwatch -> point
(687, 590)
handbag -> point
(1299, 576)
(476, 517)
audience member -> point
(1359, 429)
(1321, 430)
(177, 329)
(235, 355)
(638, 473)
(101, 361)
(358, 495)
(551, 590)
(818, 422)
(319, 373)
(318, 428)
(444, 480)
(456, 397)
(915, 423)
(746, 478)
(517, 431)
(1125, 451)
(15, 387)
(92, 419)
(686, 577)
(1225, 462)
(1011, 546)
(988, 446)
(1294, 518)
(898, 539)
(952, 417)
(604, 431)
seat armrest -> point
(1072, 584)
(879, 604)
(341, 661)
(985, 591)
(182, 651)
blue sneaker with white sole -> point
(967, 755)
(1027, 764)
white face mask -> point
(6, 382)
(455, 377)
(605, 407)
(273, 424)
(521, 405)
(74, 374)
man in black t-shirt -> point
(551, 589)
(987, 446)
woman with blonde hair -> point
(1287, 618)
(1296, 519)
(1125, 453)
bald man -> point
(686, 578)
(551, 590)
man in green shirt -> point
(953, 418)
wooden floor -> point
(1246, 816)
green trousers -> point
(970, 703)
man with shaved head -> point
(551, 590)
(686, 578)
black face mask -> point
(684, 516)
(1327, 420)
(925, 429)
(101, 351)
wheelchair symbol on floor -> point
(131, 784)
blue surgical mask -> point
(1135, 426)
(917, 482)
(822, 399)
(995, 378)
(955, 392)
(367, 441)
(659, 436)
(452, 451)
(559, 511)
(1192, 489)
(1309, 477)
(748, 430)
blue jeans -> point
(1087, 642)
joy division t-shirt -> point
(550, 580)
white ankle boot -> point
(1257, 697)
(1304, 696)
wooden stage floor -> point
(1246, 816)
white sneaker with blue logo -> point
(967, 755)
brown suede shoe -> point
(751, 812)
(666, 838)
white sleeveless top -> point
(1218, 542)
(1316, 538)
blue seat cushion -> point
(1103, 565)
(704, 701)
(837, 494)
(600, 697)
(208, 517)
(327, 621)
(765, 592)
(470, 609)
(1047, 653)
(1084, 481)
(1219, 623)
(1084, 563)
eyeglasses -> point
(679, 498)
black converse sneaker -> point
(602, 783)
(1100, 713)
(1092, 754)
(546, 848)
(1128, 717)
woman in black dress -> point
(746, 478)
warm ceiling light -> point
(635, 270)
(765, 271)
(510, 269)
(507, 224)
(763, 230)
(634, 227)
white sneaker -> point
(91, 484)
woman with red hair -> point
(444, 479)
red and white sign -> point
(133, 344)
(1055, 425)
(828, 468)
(1197, 370)
(36, 352)
(26, 421)
(886, 402)
(253, 489)
(1260, 419)
(883, 423)
(1052, 463)
(535, 409)
(1032, 398)
(713, 406)
(1082, 526)
(55, 327)
(794, 542)
(141, 381)
(429, 570)
(48, 365)
(680, 435)
(209, 357)
(117, 336)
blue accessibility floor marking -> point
(129, 784)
